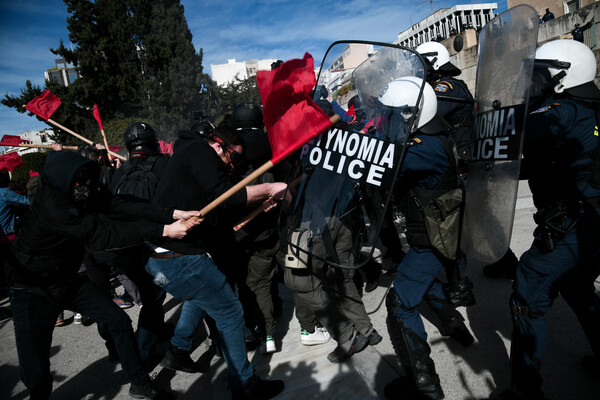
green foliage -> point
(239, 91)
(135, 59)
(33, 162)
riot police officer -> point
(562, 163)
(455, 105)
(428, 170)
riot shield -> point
(507, 47)
(345, 176)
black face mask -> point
(85, 186)
(234, 159)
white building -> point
(34, 137)
(447, 21)
(62, 74)
(224, 74)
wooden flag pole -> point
(105, 144)
(258, 210)
(45, 146)
(244, 182)
(78, 136)
(84, 139)
(236, 188)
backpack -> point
(138, 183)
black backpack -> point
(138, 183)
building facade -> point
(62, 73)
(447, 22)
(224, 74)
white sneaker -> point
(319, 336)
(78, 319)
(270, 345)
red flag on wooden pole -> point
(10, 161)
(99, 120)
(12, 140)
(291, 117)
(44, 105)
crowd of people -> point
(89, 220)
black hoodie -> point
(49, 249)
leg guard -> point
(413, 354)
(526, 350)
(452, 321)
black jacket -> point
(49, 250)
(194, 177)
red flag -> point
(97, 116)
(33, 173)
(10, 161)
(165, 148)
(44, 105)
(11, 140)
(291, 117)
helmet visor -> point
(393, 122)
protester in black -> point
(48, 253)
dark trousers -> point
(261, 269)
(569, 269)
(34, 317)
(131, 262)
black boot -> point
(460, 292)
(421, 381)
(178, 359)
(452, 321)
(149, 391)
(257, 389)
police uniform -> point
(565, 256)
(458, 113)
(427, 166)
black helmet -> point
(276, 64)
(140, 137)
(322, 92)
(247, 116)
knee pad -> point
(392, 302)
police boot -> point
(421, 380)
(452, 321)
(460, 292)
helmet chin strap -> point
(555, 80)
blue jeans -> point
(196, 280)
(416, 277)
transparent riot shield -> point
(506, 52)
(346, 175)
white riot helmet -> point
(438, 57)
(397, 103)
(564, 64)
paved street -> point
(82, 371)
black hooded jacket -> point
(49, 250)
